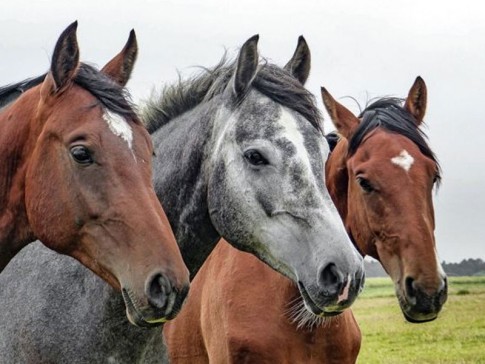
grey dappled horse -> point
(239, 155)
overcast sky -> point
(359, 48)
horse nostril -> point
(410, 290)
(330, 279)
(158, 291)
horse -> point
(380, 175)
(76, 174)
(238, 147)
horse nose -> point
(340, 285)
(158, 289)
(331, 279)
(411, 291)
(163, 296)
(416, 296)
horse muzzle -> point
(164, 302)
(334, 293)
(419, 306)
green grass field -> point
(457, 336)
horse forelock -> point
(389, 114)
(272, 81)
(110, 94)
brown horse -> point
(381, 176)
(76, 174)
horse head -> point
(381, 175)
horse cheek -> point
(46, 198)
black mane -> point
(388, 113)
(113, 96)
(110, 94)
(272, 81)
(10, 93)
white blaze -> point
(295, 136)
(403, 160)
(119, 126)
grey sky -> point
(359, 48)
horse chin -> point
(419, 319)
(135, 316)
(412, 315)
(312, 307)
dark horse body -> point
(76, 173)
(223, 141)
(385, 201)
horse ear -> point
(299, 64)
(65, 59)
(342, 118)
(417, 99)
(247, 66)
(121, 66)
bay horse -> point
(237, 149)
(380, 175)
(76, 174)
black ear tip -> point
(302, 40)
(72, 27)
(419, 82)
(254, 38)
(70, 31)
(132, 38)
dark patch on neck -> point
(332, 140)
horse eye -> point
(81, 154)
(365, 184)
(255, 158)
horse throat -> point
(15, 147)
(181, 180)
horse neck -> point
(181, 179)
(17, 141)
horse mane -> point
(109, 93)
(272, 81)
(11, 92)
(389, 114)
(112, 95)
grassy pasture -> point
(457, 336)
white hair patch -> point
(403, 160)
(119, 126)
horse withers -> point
(76, 174)
(227, 318)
